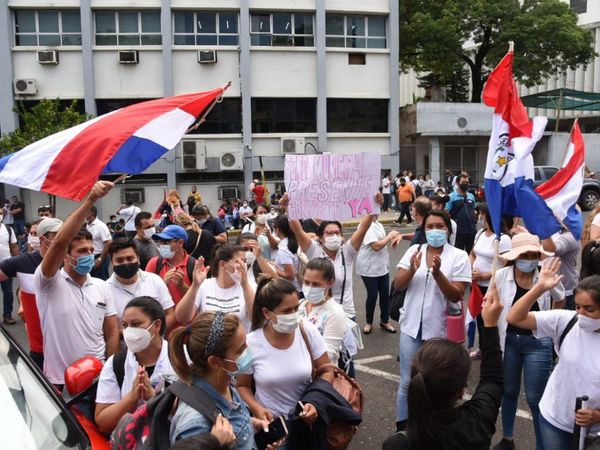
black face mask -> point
(464, 186)
(126, 271)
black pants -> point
(405, 211)
(38, 358)
(464, 241)
(386, 202)
(377, 285)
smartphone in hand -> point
(277, 431)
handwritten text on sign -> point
(332, 187)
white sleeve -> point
(405, 261)
(13, 237)
(284, 256)
(551, 323)
(349, 253)
(111, 309)
(333, 335)
(505, 243)
(370, 237)
(126, 211)
(108, 387)
(313, 251)
(462, 267)
(41, 283)
(318, 347)
(105, 232)
(162, 294)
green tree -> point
(436, 36)
(47, 117)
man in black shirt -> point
(17, 209)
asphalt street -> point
(378, 374)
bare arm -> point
(170, 318)
(107, 415)
(378, 245)
(14, 249)
(3, 276)
(248, 291)
(244, 387)
(186, 309)
(265, 267)
(58, 249)
(221, 238)
(110, 328)
(549, 245)
(287, 272)
(304, 240)
(359, 234)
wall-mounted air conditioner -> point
(47, 57)
(228, 192)
(232, 160)
(129, 57)
(25, 86)
(207, 56)
(292, 145)
(193, 154)
(137, 195)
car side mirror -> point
(80, 377)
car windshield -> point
(30, 417)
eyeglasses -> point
(333, 233)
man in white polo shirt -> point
(77, 313)
(128, 281)
(101, 238)
(129, 212)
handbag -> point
(339, 434)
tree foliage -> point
(437, 36)
(47, 117)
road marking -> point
(359, 365)
(372, 359)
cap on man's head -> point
(49, 225)
(171, 232)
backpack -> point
(147, 428)
(189, 267)
(339, 434)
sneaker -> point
(8, 320)
(504, 444)
(476, 354)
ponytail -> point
(283, 227)
(269, 294)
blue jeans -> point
(534, 357)
(554, 438)
(408, 349)
(375, 285)
(7, 293)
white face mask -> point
(588, 324)
(250, 258)
(235, 276)
(149, 232)
(34, 241)
(137, 339)
(261, 219)
(286, 323)
(333, 243)
(313, 294)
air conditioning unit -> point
(207, 56)
(228, 192)
(128, 57)
(292, 145)
(135, 195)
(232, 160)
(47, 57)
(25, 86)
(193, 154)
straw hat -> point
(523, 243)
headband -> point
(215, 333)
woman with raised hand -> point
(576, 337)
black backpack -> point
(189, 268)
(147, 428)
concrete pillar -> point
(246, 90)
(321, 76)
(166, 26)
(9, 120)
(435, 159)
(87, 55)
(394, 103)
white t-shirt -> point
(577, 372)
(72, 319)
(129, 214)
(211, 297)
(148, 284)
(6, 235)
(100, 234)
(108, 386)
(316, 251)
(453, 235)
(285, 256)
(281, 376)
(245, 211)
(425, 305)
(371, 263)
(385, 185)
(330, 320)
(484, 249)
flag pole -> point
(202, 119)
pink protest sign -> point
(332, 187)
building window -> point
(107, 105)
(225, 118)
(47, 28)
(284, 115)
(355, 31)
(579, 6)
(128, 27)
(205, 28)
(282, 29)
(349, 115)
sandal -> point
(387, 327)
(368, 328)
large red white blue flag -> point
(509, 170)
(129, 140)
(562, 191)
